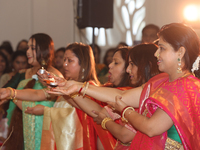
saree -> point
(62, 129)
(91, 130)
(180, 100)
(32, 125)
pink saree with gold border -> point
(180, 99)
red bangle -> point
(80, 90)
(124, 109)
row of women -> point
(151, 101)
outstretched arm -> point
(25, 94)
(130, 97)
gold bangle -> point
(47, 95)
(123, 117)
(103, 123)
(11, 93)
(15, 101)
(73, 95)
(86, 87)
(15, 94)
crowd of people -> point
(141, 97)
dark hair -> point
(180, 35)
(106, 55)
(18, 53)
(142, 56)
(124, 51)
(121, 44)
(61, 49)
(86, 61)
(98, 51)
(7, 46)
(152, 26)
(17, 48)
(44, 52)
(6, 60)
(44, 48)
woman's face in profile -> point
(31, 53)
(132, 70)
(116, 69)
(71, 65)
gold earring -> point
(83, 70)
(179, 69)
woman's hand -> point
(4, 94)
(37, 110)
(65, 87)
(118, 105)
(100, 117)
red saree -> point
(180, 100)
(91, 130)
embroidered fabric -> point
(172, 145)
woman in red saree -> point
(158, 118)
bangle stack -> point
(124, 111)
(82, 88)
(86, 87)
(85, 84)
(13, 94)
(103, 123)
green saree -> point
(32, 125)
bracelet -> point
(11, 93)
(82, 88)
(86, 87)
(103, 123)
(15, 101)
(124, 111)
(15, 94)
(73, 95)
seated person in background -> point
(59, 59)
(22, 45)
(121, 44)
(149, 33)
(19, 61)
(101, 68)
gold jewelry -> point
(124, 111)
(73, 95)
(11, 93)
(15, 94)
(15, 101)
(179, 69)
(103, 123)
(47, 95)
(86, 87)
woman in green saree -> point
(40, 54)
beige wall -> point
(19, 19)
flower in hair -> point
(35, 77)
(195, 65)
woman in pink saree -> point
(168, 103)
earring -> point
(83, 70)
(179, 69)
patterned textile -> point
(180, 100)
(32, 125)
